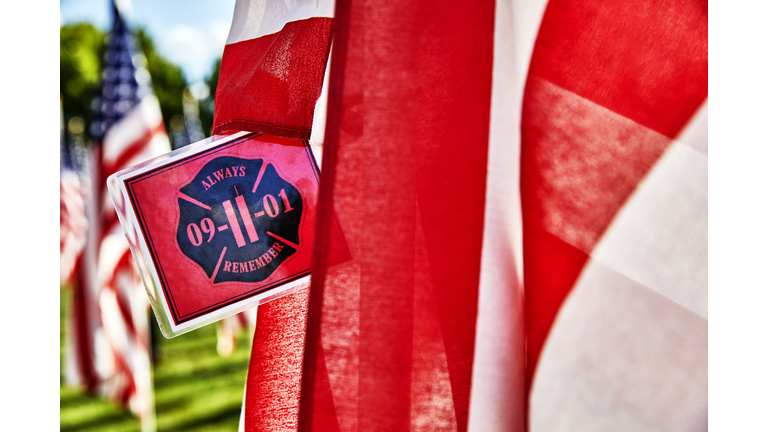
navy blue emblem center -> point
(239, 220)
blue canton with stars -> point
(125, 79)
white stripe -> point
(157, 146)
(115, 327)
(143, 368)
(497, 398)
(89, 284)
(256, 18)
(319, 118)
(75, 225)
(695, 134)
(130, 349)
(659, 238)
(133, 126)
(112, 249)
(621, 357)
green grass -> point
(195, 388)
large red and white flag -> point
(614, 198)
(523, 189)
(108, 347)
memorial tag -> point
(220, 225)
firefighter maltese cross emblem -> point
(239, 220)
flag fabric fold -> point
(108, 341)
(614, 198)
(390, 337)
(522, 188)
(272, 67)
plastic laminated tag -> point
(219, 226)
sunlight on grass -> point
(195, 388)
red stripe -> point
(262, 90)
(76, 266)
(85, 307)
(124, 264)
(218, 263)
(131, 150)
(410, 153)
(108, 223)
(108, 215)
(325, 416)
(274, 380)
(83, 341)
(644, 59)
(129, 388)
(73, 226)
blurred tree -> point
(167, 79)
(207, 104)
(81, 50)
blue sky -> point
(190, 33)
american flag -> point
(73, 224)
(108, 350)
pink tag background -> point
(155, 194)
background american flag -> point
(108, 345)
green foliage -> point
(207, 104)
(80, 51)
(167, 79)
(195, 388)
(213, 80)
